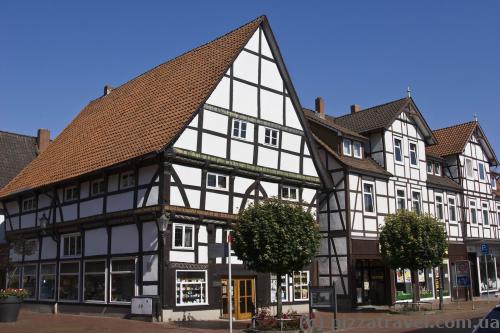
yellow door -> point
(243, 297)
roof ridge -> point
(456, 125)
(373, 107)
(18, 134)
(261, 18)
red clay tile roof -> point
(16, 151)
(451, 140)
(138, 118)
(329, 122)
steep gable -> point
(16, 151)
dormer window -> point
(437, 169)
(357, 149)
(429, 168)
(347, 147)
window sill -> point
(183, 248)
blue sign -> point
(463, 281)
(485, 249)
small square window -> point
(71, 245)
(28, 204)
(289, 193)
(239, 129)
(271, 137)
(71, 193)
(97, 187)
(216, 181)
(183, 236)
(127, 179)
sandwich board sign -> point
(462, 273)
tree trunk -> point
(279, 304)
(441, 278)
(415, 287)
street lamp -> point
(44, 224)
(162, 223)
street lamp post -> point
(162, 223)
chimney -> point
(355, 108)
(42, 140)
(107, 89)
(320, 107)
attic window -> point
(357, 149)
(28, 204)
(347, 147)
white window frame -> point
(469, 174)
(483, 209)
(72, 235)
(481, 166)
(184, 226)
(59, 281)
(436, 203)
(400, 147)
(237, 131)
(454, 206)
(100, 192)
(431, 164)
(437, 169)
(206, 287)
(31, 297)
(93, 273)
(271, 137)
(398, 197)
(498, 214)
(217, 176)
(301, 285)
(410, 144)
(40, 281)
(289, 188)
(73, 191)
(419, 201)
(127, 179)
(110, 289)
(354, 145)
(284, 286)
(372, 184)
(346, 143)
(30, 203)
(473, 206)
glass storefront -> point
(488, 273)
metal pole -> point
(456, 285)
(230, 284)
(487, 277)
(470, 285)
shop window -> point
(347, 147)
(403, 285)
(94, 281)
(122, 284)
(416, 202)
(357, 149)
(487, 281)
(183, 236)
(452, 209)
(439, 207)
(473, 212)
(29, 280)
(401, 198)
(413, 154)
(216, 181)
(239, 129)
(289, 193)
(368, 198)
(47, 282)
(69, 281)
(127, 179)
(271, 137)
(71, 193)
(425, 283)
(284, 288)
(71, 245)
(13, 279)
(191, 287)
(301, 286)
(486, 215)
(398, 154)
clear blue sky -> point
(56, 56)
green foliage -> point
(274, 236)
(413, 241)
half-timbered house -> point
(128, 197)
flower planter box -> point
(9, 308)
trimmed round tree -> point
(274, 236)
(413, 241)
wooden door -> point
(243, 297)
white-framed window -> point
(368, 198)
(127, 179)
(439, 206)
(437, 169)
(217, 181)
(357, 149)
(498, 215)
(284, 288)
(69, 281)
(191, 287)
(430, 169)
(473, 212)
(28, 204)
(29, 280)
(416, 201)
(486, 215)
(301, 286)
(469, 169)
(290, 193)
(97, 187)
(94, 281)
(452, 209)
(71, 193)
(47, 286)
(183, 236)
(122, 286)
(482, 171)
(413, 154)
(398, 152)
(347, 147)
(71, 245)
(271, 137)
(239, 129)
(400, 198)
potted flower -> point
(10, 303)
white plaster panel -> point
(290, 162)
(193, 197)
(241, 152)
(270, 75)
(370, 224)
(220, 96)
(187, 140)
(149, 236)
(146, 174)
(175, 197)
(244, 98)
(237, 204)
(202, 234)
(246, 67)
(215, 122)
(153, 196)
(150, 267)
(150, 290)
(28, 220)
(217, 202)
(308, 167)
(12, 207)
(268, 158)
(49, 248)
(124, 239)
(266, 50)
(381, 187)
(188, 175)
(203, 254)
(34, 254)
(96, 242)
(290, 142)
(194, 122)
(43, 201)
(253, 43)
(271, 106)
(70, 212)
(122, 201)
(14, 256)
(292, 120)
(182, 256)
(270, 188)
(213, 145)
(91, 207)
